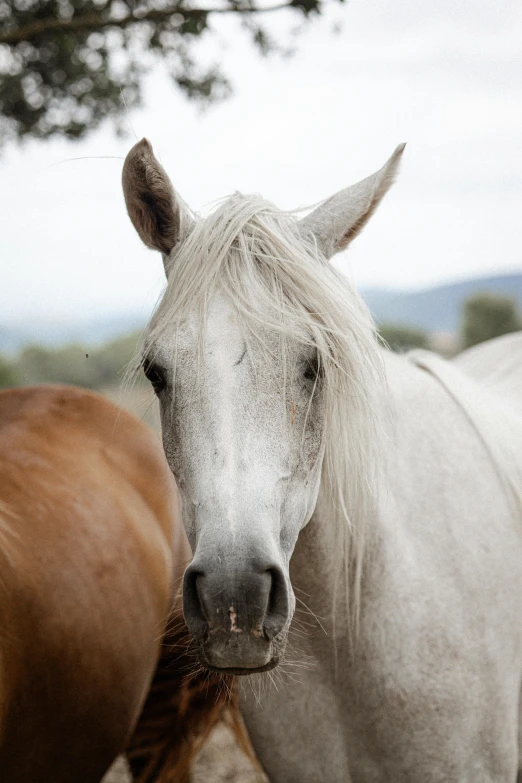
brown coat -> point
(91, 550)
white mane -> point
(277, 279)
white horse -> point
(386, 490)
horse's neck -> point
(443, 436)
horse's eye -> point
(311, 370)
(155, 374)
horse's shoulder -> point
(61, 408)
(67, 421)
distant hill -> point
(436, 309)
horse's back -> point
(87, 509)
(498, 364)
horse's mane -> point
(277, 279)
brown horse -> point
(91, 550)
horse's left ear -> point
(158, 214)
(339, 219)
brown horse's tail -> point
(184, 704)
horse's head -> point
(256, 343)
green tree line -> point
(96, 367)
(485, 315)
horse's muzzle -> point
(237, 617)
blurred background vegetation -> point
(402, 338)
(67, 65)
(484, 315)
(487, 315)
(93, 367)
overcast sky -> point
(446, 77)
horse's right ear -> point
(159, 216)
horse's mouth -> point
(239, 654)
(238, 671)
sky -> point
(445, 77)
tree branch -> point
(40, 27)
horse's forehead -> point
(220, 338)
(222, 332)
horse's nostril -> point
(277, 608)
(198, 589)
(193, 606)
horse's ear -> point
(339, 219)
(159, 216)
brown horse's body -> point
(91, 546)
